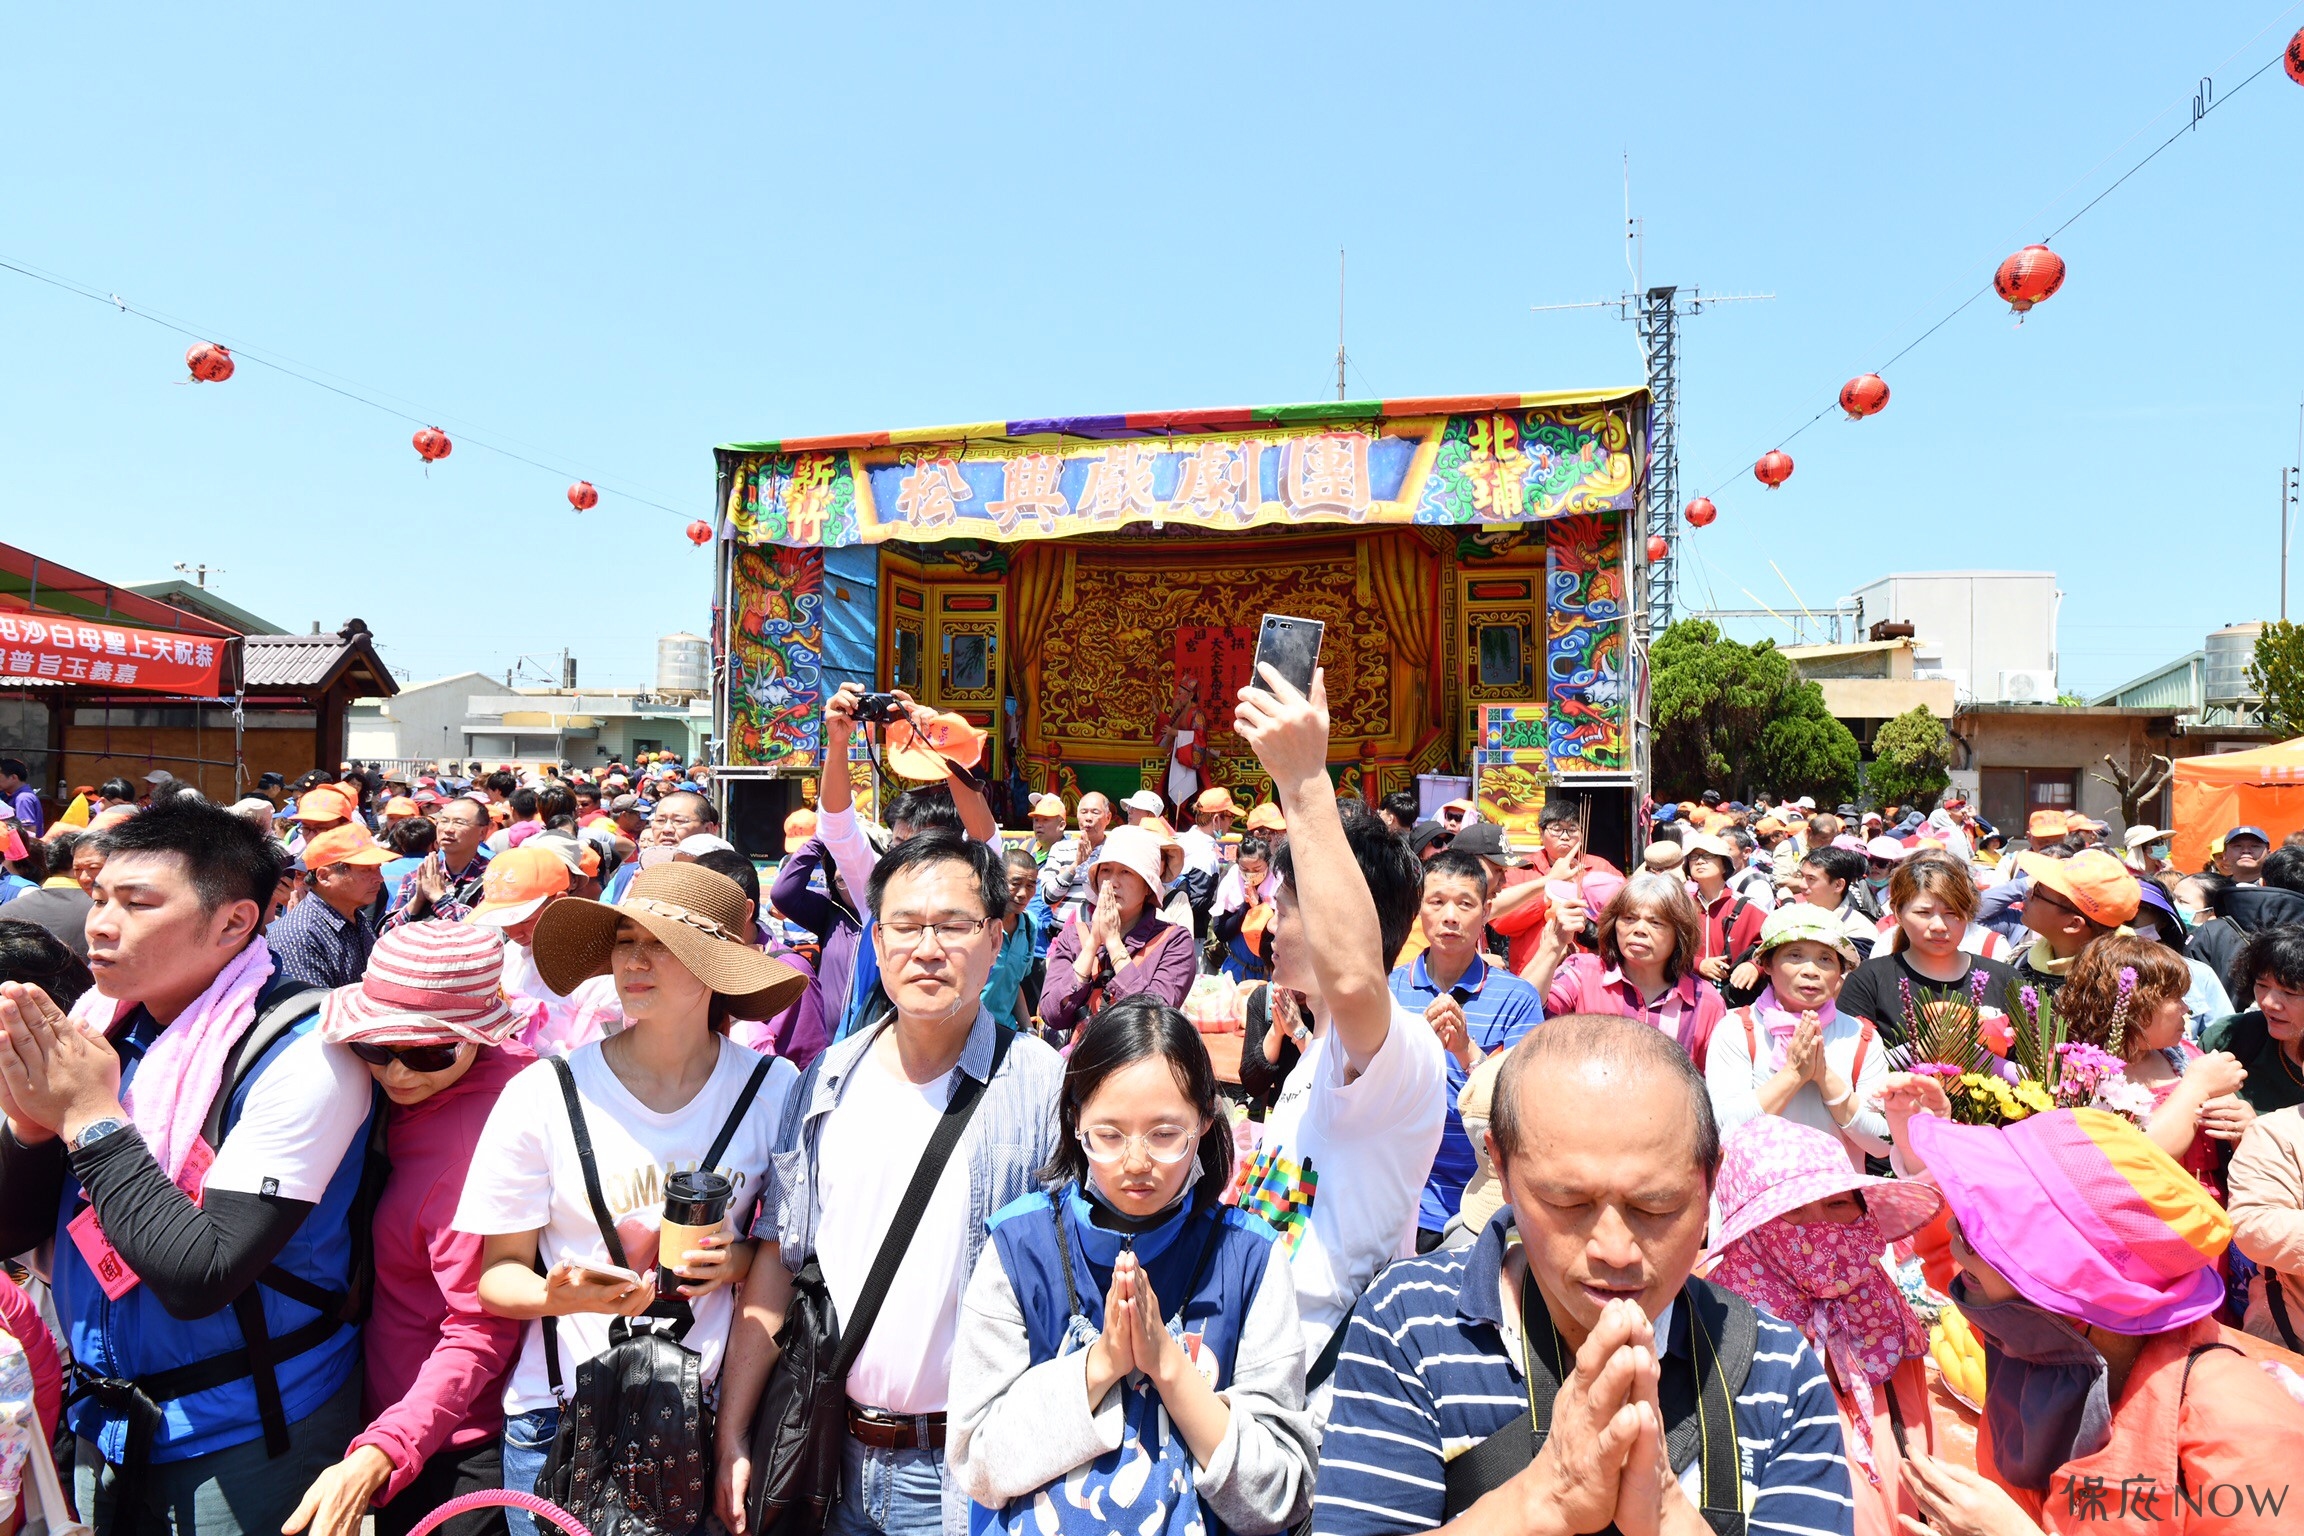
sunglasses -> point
(416, 1058)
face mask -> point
(2188, 916)
(2049, 1399)
(1879, 883)
(2158, 850)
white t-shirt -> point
(300, 1118)
(1341, 1166)
(870, 1144)
(1200, 851)
(526, 1178)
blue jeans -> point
(888, 1493)
(527, 1441)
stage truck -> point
(1088, 590)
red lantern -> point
(1863, 396)
(1657, 548)
(2293, 59)
(582, 497)
(1774, 468)
(699, 533)
(2031, 275)
(1701, 512)
(432, 443)
(210, 362)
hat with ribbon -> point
(921, 745)
(426, 982)
(699, 914)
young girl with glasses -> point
(1129, 1355)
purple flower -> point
(2029, 997)
(1976, 983)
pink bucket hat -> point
(1771, 1165)
(2081, 1213)
(425, 981)
(1133, 849)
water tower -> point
(2224, 672)
(683, 665)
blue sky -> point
(621, 235)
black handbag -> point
(800, 1432)
(633, 1455)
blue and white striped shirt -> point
(1425, 1375)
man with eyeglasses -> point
(851, 1137)
(447, 884)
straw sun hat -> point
(698, 914)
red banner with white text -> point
(52, 648)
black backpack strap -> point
(278, 1015)
(1325, 1366)
(957, 1113)
(2276, 1302)
(736, 1115)
(600, 1214)
(1064, 1257)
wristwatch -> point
(95, 1131)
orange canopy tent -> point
(2262, 787)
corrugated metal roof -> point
(308, 661)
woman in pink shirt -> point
(1649, 939)
(430, 1024)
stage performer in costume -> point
(1184, 738)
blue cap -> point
(644, 806)
(2254, 832)
(690, 789)
(1667, 813)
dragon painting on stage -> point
(775, 682)
(1584, 674)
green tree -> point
(1909, 759)
(2277, 673)
(1739, 719)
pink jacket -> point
(436, 1361)
(1687, 1010)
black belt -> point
(896, 1431)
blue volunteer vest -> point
(1227, 1249)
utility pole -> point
(1339, 323)
(2289, 476)
(199, 572)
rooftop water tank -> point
(2230, 649)
(683, 664)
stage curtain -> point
(1034, 577)
(1399, 567)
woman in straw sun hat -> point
(429, 1023)
(655, 1098)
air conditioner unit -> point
(2028, 686)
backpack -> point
(1855, 1067)
(1731, 994)
(633, 1455)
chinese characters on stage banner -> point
(1437, 463)
(63, 650)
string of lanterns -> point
(2026, 278)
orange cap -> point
(518, 883)
(916, 747)
(1049, 805)
(2047, 826)
(400, 808)
(2099, 886)
(323, 802)
(798, 828)
(1266, 817)
(345, 845)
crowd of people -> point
(1176, 1167)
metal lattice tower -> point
(1658, 327)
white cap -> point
(2139, 836)
(1146, 801)
(698, 844)
(1886, 848)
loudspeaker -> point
(753, 817)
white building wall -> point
(423, 722)
(1975, 627)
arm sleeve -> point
(2268, 1197)
(1260, 1478)
(1382, 1468)
(1565, 995)
(1531, 914)
(1013, 1426)
(1164, 969)
(1060, 993)
(851, 853)
(791, 895)
(1728, 1074)
(474, 1352)
(31, 1188)
(196, 1258)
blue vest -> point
(135, 1336)
(1228, 1250)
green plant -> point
(1738, 719)
(2276, 672)
(1911, 757)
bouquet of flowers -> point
(1979, 1054)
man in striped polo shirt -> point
(1565, 1375)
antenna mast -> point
(1339, 323)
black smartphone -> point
(1292, 647)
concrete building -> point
(470, 716)
(1991, 634)
(1871, 682)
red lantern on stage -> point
(2031, 275)
(2293, 59)
(1701, 512)
(1863, 396)
(210, 362)
(699, 533)
(1657, 548)
(582, 497)
(431, 443)
(1773, 469)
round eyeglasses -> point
(1163, 1143)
